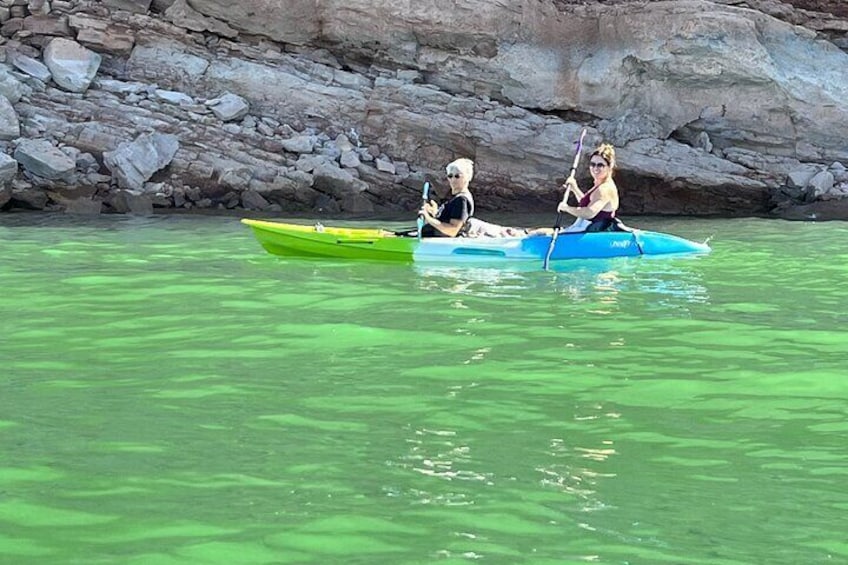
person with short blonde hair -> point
(464, 166)
(449, 219)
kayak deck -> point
(345, 243)
(295, 240)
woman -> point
(596, 208)
(449, 219)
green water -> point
(169, 393)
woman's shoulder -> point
(464, 197)
(608, 185)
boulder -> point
(237, 178)
(800, 177)
(356, 204)
(73, 66)
(28, 65)
(41, 24)
(133, 163)
(336, 182)
(173, 97)
(42, 158)
(10, 125)
(300, 144)
(228, 107)
(349, 159)
(131, 202)
(252, 200)
(309, 163)
(39, 7)
(10, 87)
(29, 198)
(385, 166)
(78, 200)
(83, 207)
(8, 170)
(820, 185)
(120, 87)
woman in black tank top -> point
(448, 220)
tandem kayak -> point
(294, 240)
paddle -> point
(424, 195)
(558, 222)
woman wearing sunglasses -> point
(449, 219)
(596, 208)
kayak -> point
(295, 240)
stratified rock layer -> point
(719, 107)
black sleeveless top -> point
(459, 207)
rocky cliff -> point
(721, 107)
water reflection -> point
(474, 281)
(439, 454)
(576, 469)
(670, 282)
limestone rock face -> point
(172, 62)
(290, 21)
(138, 6)
(715, 107)
(183, 15)
(102, 35)
(744, 85)
(748, 79)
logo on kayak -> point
(624, 244)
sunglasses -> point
(456, 176)
(597, 165)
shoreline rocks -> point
(129, 107)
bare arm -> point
(571, 183)
(570, 187)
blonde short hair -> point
(463, 166)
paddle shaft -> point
(558, 222)
(424, 195)
(573, 171)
